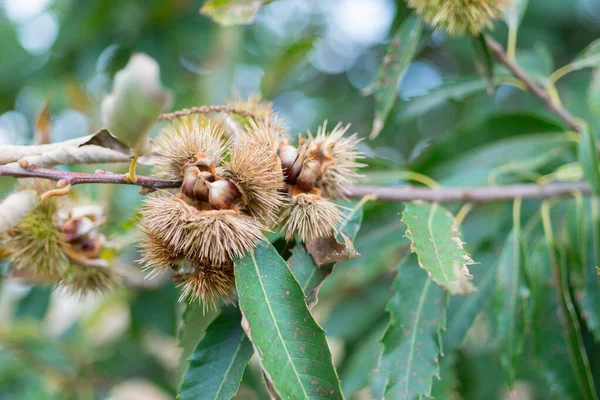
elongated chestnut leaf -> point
(400, 53)
(411, 344)
(290, 344)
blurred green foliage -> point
(313, 58)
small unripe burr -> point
(221, 194)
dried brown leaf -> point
(329, 250)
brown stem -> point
(539, 92)
(392, 194)
(206, 110)
(76, 178)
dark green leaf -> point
(411, 344)
(588, 157)
(436, 240)
(509, 297)
(195, 320)
(156, 309)
(35, 303)
(362, 362)
(395, 63)
(290, 344)
(590, 301)
(218, 363)
(556, 332)
(484, 61)
(452, 90)
(462, 315)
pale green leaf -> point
(136, 101)
(436, 239)
(514, 12)
(594, 92)
(395, 63)
(218, 363)
(588, 58)
(290, 344)
(232, 12)
(411, 342)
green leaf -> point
(594, 92)
(588, 157)
(195, 320)
(461, 317)
(484, 61)
(157, 309)
(399, 54)
(558, 345)
(136, 101)
(362, 362)
(35, 303)
(590, 302)
(436, 239)
(451, 90)
(411, 342)
(309, 275)
(284, 64)
(588, 58)
(290, 344)
(232, 12)
(218, 363)
(510, 300)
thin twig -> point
(77, 178)
(206, 110)
(476, 194)
(392, 194)
(539, 92)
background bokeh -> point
(312, 59)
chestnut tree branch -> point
(392, 194)
(539, 92)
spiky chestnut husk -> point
(458, 17)
(191, 141)
(311, 217)
(211, 235)
(207, 282)
(81, 281)
(256, 171)
(201, 279)
(35, 244)
(337, 156)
